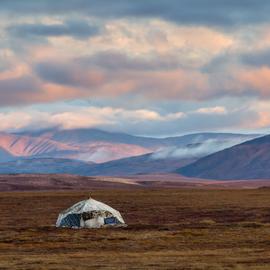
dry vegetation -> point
(168, 229)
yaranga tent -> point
(89, 214)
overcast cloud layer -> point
(144, 67)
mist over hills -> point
(91, 135)
(75, 151)
(144, 164)
(248, 160)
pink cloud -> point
(257, 79)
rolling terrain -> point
(78, 136)
(128, 166)
(145, 164)
(74, 151)
(249, 160)
(43, 182)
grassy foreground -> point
(168, 229)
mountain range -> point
(144, 164)
(97, 152)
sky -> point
(152, 68)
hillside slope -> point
(128, 166)
(249, 160)
(46, 166)
(25, 146)
(144, 164)
(5, 155)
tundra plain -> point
(167, 229)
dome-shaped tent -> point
(89, 214)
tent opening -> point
(71, 220)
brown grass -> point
(168, 229)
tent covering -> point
(89, 214)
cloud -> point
(256, 80)
(140, 121)
(169, 84)
(115, 60)
(50, 80)
(14, 120)
(171, 67)
(187, 46)
(196, 150)
(83, 118)
(263, 120)
(123, 61)
(93, 117)
(75, 28)
(143, 78)
(212, 110)
(69, 74)
(13, 72)
(196, 12)
(257, 59)
(263, 115)
(21, 90)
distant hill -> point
(102, 146)
(249, 160)
(46, 166)
(145, 164)
(74, 151)
(44, 144)
(91, 135)
(5, 155)
(19, 145)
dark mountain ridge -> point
(248, 160)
